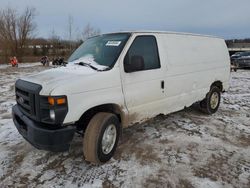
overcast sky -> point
(224, 18)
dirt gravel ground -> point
(183, 149)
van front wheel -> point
(211, 103)
(101, 137)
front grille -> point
(26, 101)
(27, 97)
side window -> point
(142, 55)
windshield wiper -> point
(88, 65)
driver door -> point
(143, 79)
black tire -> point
(206, 104)
(93, 137)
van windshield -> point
(102, 50)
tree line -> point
(233, 41)
(17, 37)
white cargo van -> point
(114, 80)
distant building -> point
(238, 45)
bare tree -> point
(70, 26)
(15, 29)
(90, 31)
(25, 27)
(55, 41)
(8, 29)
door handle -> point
(162, 84)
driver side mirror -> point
(135, 63)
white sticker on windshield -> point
(113, 43)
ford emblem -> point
(20, 100)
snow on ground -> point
(4, 66)
(183, 149)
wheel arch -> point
(218, 84)
(85, 118)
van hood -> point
(58, 74)
(49, 79)
(73, 79)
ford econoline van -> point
(113, 81)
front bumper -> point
(41, 137)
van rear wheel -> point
(211, 103)
(101, 138)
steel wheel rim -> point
(108, 139)
(214, 100)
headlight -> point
(53, 109)
(52, 115)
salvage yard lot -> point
(183, 149)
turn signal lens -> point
(61, 101)
(51, 101)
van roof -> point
(166, 32)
